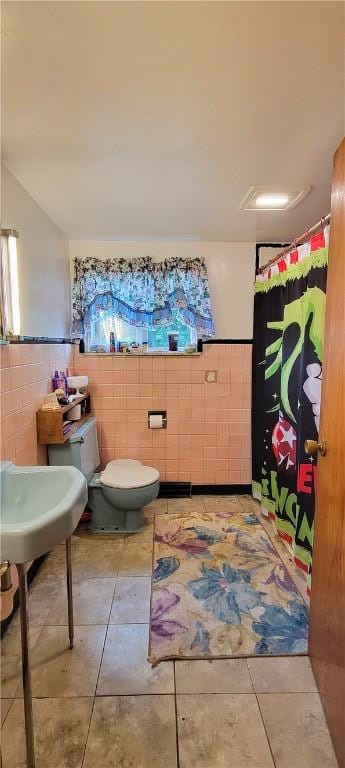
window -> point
(10, 314)
(140, 301)
(156, 338)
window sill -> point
(143, 354)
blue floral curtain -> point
(141, 292)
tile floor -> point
(101, 705)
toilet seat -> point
(128, 473)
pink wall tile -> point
(197, 478)
(159, 376)
(198, 375)
(106, 364)
(197, 439)
(25, 379)
(106, 390)
(4, 356)
(197, 390)
(208, 424)
(185, 404)
(171, 470)
(145, 376)
(197, 453)
(172, 377)
(197, 415)
(131, 363)
(171, 363)
(210, 440)
(5, 379)
(210, 453)
(119, 363)
(132, 377)
(158, 363)
(222, 477)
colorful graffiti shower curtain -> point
(289, 315)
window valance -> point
(142, 292)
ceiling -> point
(139, 120)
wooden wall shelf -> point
(50, 424)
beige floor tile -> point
(11, 673)
(61, 727)
(91, 558)
(286, 674)
(146, 535)
(131, 603)
(215, 504)
(83, 532)
(11, 641)
(54, 566)
(92, 599)
(248, 503)
(96, 557)
(136, 559)
(132, 732)
(217, 676)
(11, 663)
(41, 595)
(218, 731)
(59, 671)
(125, 669)
(188, 506)
(157, 507)
(297, 730)
(5, 705)
(149, 515)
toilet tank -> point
(80, 450)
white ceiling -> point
(151, 120)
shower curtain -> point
(289, 314)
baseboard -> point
(221, 490)
(174, 490)
(34, 567)
(185, 490)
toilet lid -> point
(128, 473)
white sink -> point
(40, 507)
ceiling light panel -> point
(272, 198)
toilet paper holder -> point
(163, 414)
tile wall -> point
(26, 371)
(207, 440)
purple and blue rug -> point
(220, 589)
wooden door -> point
(327, 618)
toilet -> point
(117, 496)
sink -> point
(40, 507)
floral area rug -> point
(220, 589)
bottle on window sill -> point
(112, 344)
(81, 346)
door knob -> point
(312, 447)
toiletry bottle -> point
(112, 346)
(81, 346)
(56, 381)
(62, 381)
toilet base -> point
(119, 522)
(109, 518)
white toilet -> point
(117, 496)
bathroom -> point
(172, 231)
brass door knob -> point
(312, 447)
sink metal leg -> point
(26, 671)
(69, 590)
